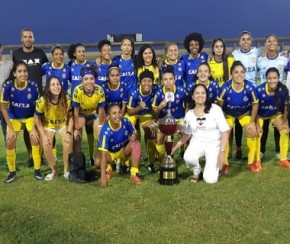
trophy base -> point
(168, 176)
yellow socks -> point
(251, 144)
(11, 159)
(283, 145)
(134, 170)
(36, 156)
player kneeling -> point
(118, 140)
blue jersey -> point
(128, 72)
(114, 140)
(136, 96)
(249, 60)
(212, 89)
(279, 62)
(102, 73)
(21, 101)
(270, 105)
(237, 103)
(179, 71)
(117, 96)
(177, 106)
(62, 73)
(191, 65)
(75, 69)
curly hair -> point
(194, 36)
(72, 49)
(103, 42)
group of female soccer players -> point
(113, 98)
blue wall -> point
(56, 21)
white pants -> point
(197, 149)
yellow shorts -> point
(243, 119)
(18, 124)
(142, 118)
(261, 119)
(118, 155)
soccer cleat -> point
(284, 163)
(50, 176)
(11, 177)
(136, 179)
(253, 168)
(258, 165)
(30, 163)
(225, 169)
(152, 168)
(37, 174)
(194, 178)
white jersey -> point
(206, 128)
(264, 63)
(249, 60)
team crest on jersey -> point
(29, 96)
(245, 99)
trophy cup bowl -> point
(168, 169)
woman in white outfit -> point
(208, 131)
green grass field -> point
(242, 207)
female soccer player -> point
(139, 108)
(118, 140)
(220, 63)
(273, 105)
(203, 76)
(167, 94)
(18, 104)
(104, 61)
(57, 67)
(126, 62)
(193, 43)
(53, 116)
(115, 91)
(146, 59)
(208, 132)
(238, 99)
(171, 54)
(272, 59)
(88, 102)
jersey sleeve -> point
(76, 98)
(5, 93)
(103, 144)
(39, 109)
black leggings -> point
(265, 137)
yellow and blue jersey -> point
(191, 65)
(54, 118)
(217, 69)
(153, 69)
(136, 96)
(75, 70)
(270, 105)
(177, 106)
(117, 96)
(179, 71)
(88, 104)
(237, 103)
(114, 140)
(21, 101)
(128, 73)
(62, 73)
(212, 89)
